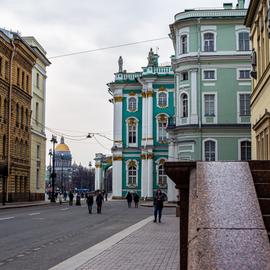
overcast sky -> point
(77, 96)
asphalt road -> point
(41, 237)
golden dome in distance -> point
(62, 147)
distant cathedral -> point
(63, 165)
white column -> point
(117, 177)
(144, 116)
(193, 98)
(98, 175)
(150, 114)
(117, 118)
(172, 191)
(144, 177)
(177, 100)
(150, 178)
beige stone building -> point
(38, 137)
(17, 60)
(257, 19)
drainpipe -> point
(199, 84)
(9, 117)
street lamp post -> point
(53, 175)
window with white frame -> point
(245, 148)
(209, 150)
(243, 41)
(183, 44)
(162, 99)
(162, 125)
(132, 131)
(132, 173)
(162, 177)
(209, 42)
(184, 76)
(244, 74)
(244, 101)
(184, 105)
(209, 105)
(132, 104)
(209, 74)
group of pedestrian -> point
(90, 201)
(132, 197)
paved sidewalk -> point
(145, 245)
(23, 204)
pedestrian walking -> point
(65, 195)
(129, 199)
(89, 201)
(99, 200)
(106, 196)
(78, 199)
(60, 198)
(71, 196)
(158, 205)
(136, 199)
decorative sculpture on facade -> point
(120, 64)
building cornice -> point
(252, 10)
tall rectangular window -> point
(37, 111)
(131, 133)
(162, 135)
(243, 40)
(18, 76)
(27, 83)
(209, 42)
(1, 66)
(245, 150)
(244, 104)
(38, 151)
(6, 70)
(37, 80)
(209, 151)
(37, 178)
(209, 105)
(23, 80)
(183, 45)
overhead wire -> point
(107, 48)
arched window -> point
(22, 113)
(26, 119)
(183, 44)
(132, 131)
(245, 150)
(17, 114)
(184, 105)
(162, 177)
(21, 148)
(243, 41)
(132, 104)
(162, 99)
(5, 110)
(210, 150)
(162, 125)
(4, 146)
(132, 173)
(208, 42)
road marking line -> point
(84, 256)
(33, 214)
(64, 209)
(5, 218)
(20, 255)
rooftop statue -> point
(152, 59)
(120, 64)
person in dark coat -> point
(99, 200)
(78, 199)
(136, 198)
(90, 201)
(70, 195)
(158, 205)
(129, 199)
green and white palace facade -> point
(196, 109)
(143, 104)
(213, 86)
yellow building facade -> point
(16, 62)
(38, 136)
(257, 19)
